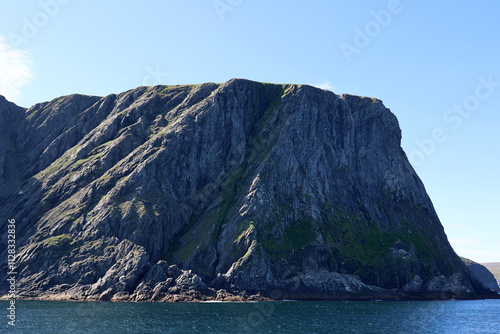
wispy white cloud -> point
(468, 242)
(15, 70)
(454, 225)
(325, 85)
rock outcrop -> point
(483, 274)
(232, 191)
(494, 268)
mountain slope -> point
(494, 268)
(213, 191)
(483, 274)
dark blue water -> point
(262, 317)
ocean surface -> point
(41, 317)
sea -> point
(40, 317)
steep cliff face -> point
(10, 117)
(213, 191)
(494, 268)
(483, 274)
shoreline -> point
(244, 299)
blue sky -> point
(434, 64)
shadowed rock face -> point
(494, 268)
(220, 191)
(483, 274)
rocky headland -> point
(483, 274)
(234, 191)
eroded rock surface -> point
(232, 191)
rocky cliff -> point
(238, 190)
(483, 274)
(494, 268)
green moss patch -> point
(57, 241)
(367, 248)
(300, 233)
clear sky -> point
(434, 64)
